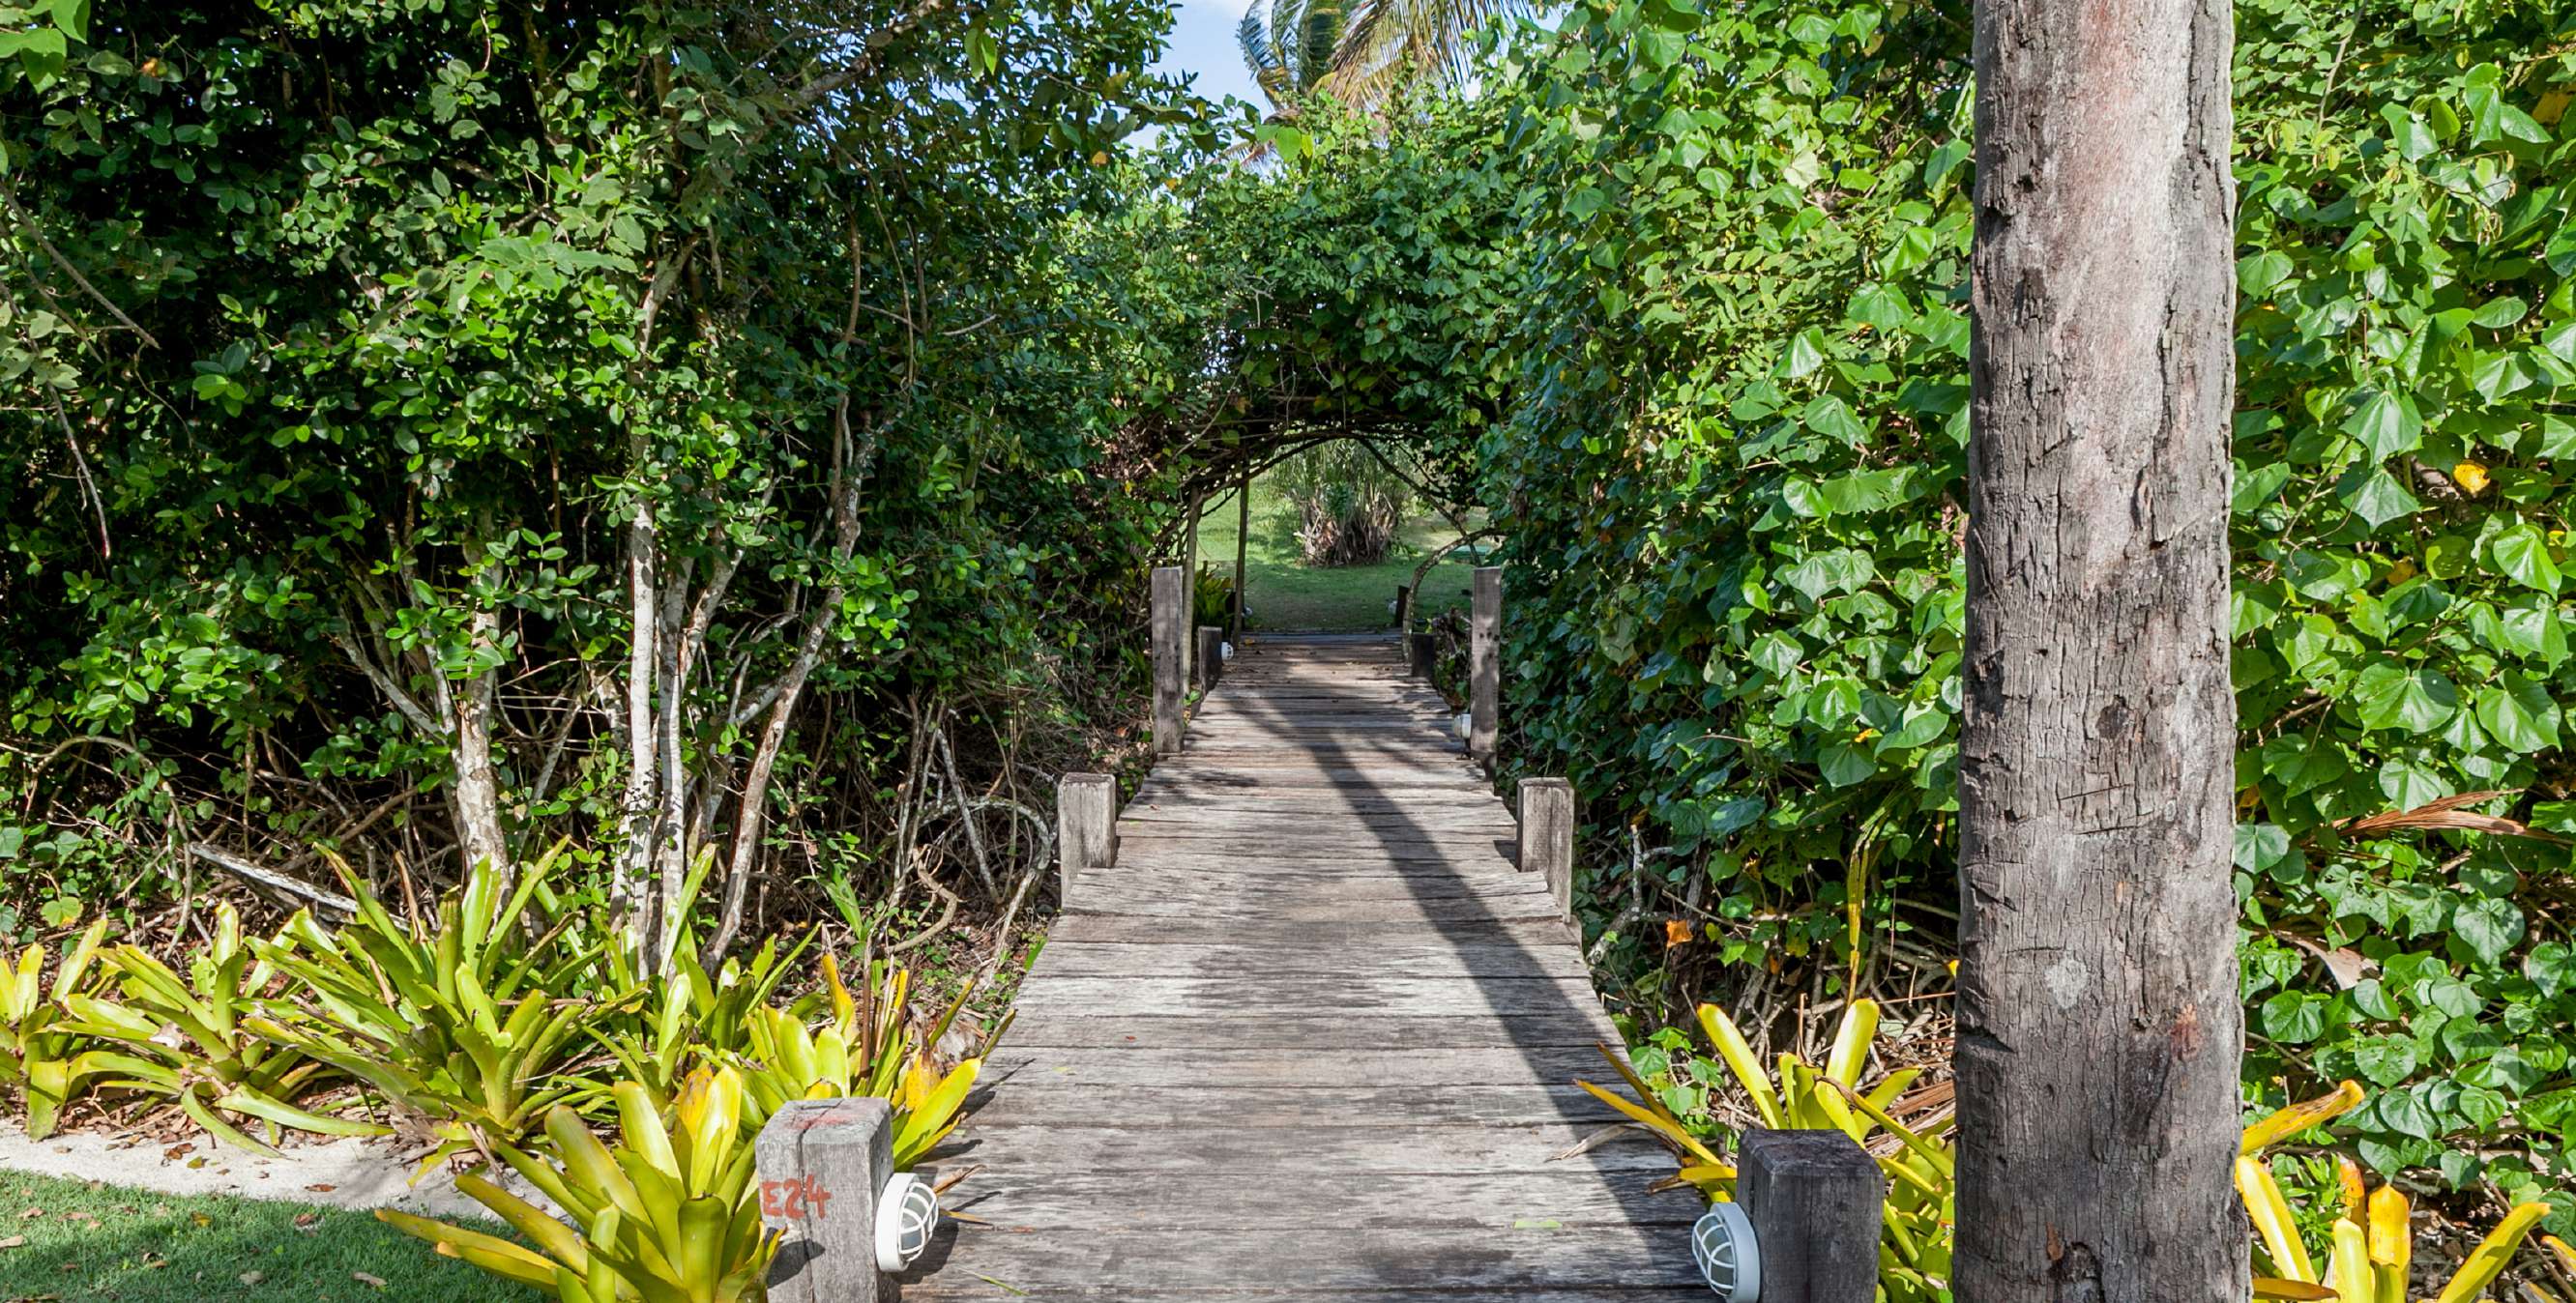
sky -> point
(1203, 44)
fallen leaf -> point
(253, 1277)
(1677, 932)
(364, 1279)
(201, 1219)
(31, 1214)
(322, 1187)
(305, 1221)
(13, 1242)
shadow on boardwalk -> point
(1313, 1035)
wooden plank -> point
(1014, 1202)
(1269, 1154)
(1320, 1032)
(1417, 1069)
(1091, 1260)
(1355, 997)
(1535, 905)
(952, 1289)
(1095, 959)
(1127, 890)
(1039, 1103)
(1341, 934)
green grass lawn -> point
(1284, 593)
(75, 1240)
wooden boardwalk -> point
(1312, 1037)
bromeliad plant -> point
(693, 1016)
(197, 1042)
(856, 1054)
(1921, 1208)
(671, 1215)
(464, 1022)
(2372, 1235)
(39, 1053)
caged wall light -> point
(907, 1213)
(1729, 1259)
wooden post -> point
(1190, 585)
(1547, 837)
(1086, 822)
(1171, 617)
(1242, 533)
(1484, 667)
(821, 1164)
(1211, 656)
(1420, 650)
(1403, 608)
(1813, 1198)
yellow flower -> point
(2470, 476)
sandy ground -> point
(337, 1173)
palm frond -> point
(1387, 41)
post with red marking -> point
(822, 1164)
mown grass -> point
(79, 1240)
(1284, 593)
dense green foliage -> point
(618, 421)
(1691, 282)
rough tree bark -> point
(2099, 1030)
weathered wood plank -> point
(1534, 905)
(1015, 1202)
(1353, 997)
(1093, 1260)
(1439, 1067)
(1272, 1154)
(1472, 960)
(1038, 1103)
(1338, 888)
(1320, 1032)
(1346, 933)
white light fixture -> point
(907, 1213)
(1224, 651)
(1729, 1260)
(1466, 722)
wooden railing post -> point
(1420, 648)
(1170, 618)
(1484, 666)
(1547, 838)
(1086, 823)
(822, 1164)
(1403, 608)
(1813, 1198)
(1211, 655)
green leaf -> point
(2374, 496)
(2385, 1060)
(2487, 926)
(2259, 846)
(2551, 966)
(2518, 713)
(2256, 274)
(1806, 353)
(2520, 553)
(1845, 763)
(2295, 1017)
(2416, 700)
(2387, 424)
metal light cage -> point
(907, 1213)
(1729, 1260)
